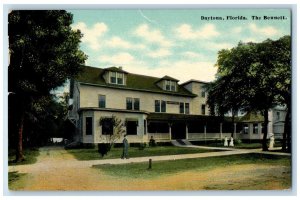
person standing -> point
(225, 142)
(125, 148)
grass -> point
(30, 156)
(16, 180)
(92, 154)
(161, 168)
(242, 145)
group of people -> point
(231, 144)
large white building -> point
(147, 106)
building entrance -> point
(178, 130)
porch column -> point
(186, 132)
(234, 130)
(205, 133)
(221, 134)
(146, 127)
(170, 131)
(250, 130)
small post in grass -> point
(150, 164)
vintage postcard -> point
(150, 99)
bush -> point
(238, 141)
(142, 146)
(103, 149)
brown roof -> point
(93, 76)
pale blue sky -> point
(174, 42)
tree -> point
(113, 135)
(253, 77)
(229, 91)
(44, 52)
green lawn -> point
(30, 156)
(92, 154)
(242, 145)
(15, 180)
(161, 168)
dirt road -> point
(58, 170)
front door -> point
(178, 130)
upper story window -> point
(181, 108)
(101, 101)
(132, 103)
(203, 109)
(116, 78)
(184, 108)
(203, 92)
(136, 104)
(278, 115)
(129, 103)
(170, 85)
(163, 106)
(160, 106)
(157, 105)
(120, 78)
(187, 108)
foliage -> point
(253, 77)
(31, 155)
(16, 180)
(110, 139)
(164, 168)
(92, 154)
(44, 52)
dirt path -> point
(56, 169)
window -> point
(187, 108)
(173, 86)
(163, 106)
(278, 115)
(117, 78)
(120, 78)
(88, 125)
(101, 101)
(129, 103)
(170, 85)
(203, 93)
(203, 109)
(181, 108)
(113, 76)
(132, 103)
(255, 128)
(107, 126)
(157, 105)
(131, 127)
(160, 106)
(136, 104)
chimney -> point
(120, 67)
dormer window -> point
(170, 85)
(116, 78)
(120, 78)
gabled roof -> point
(168, 78)
(196, 81)
(93, 76)
(115, 69)
(252, 117)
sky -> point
(181, 43)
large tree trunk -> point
(265, 131)
(19, 152)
